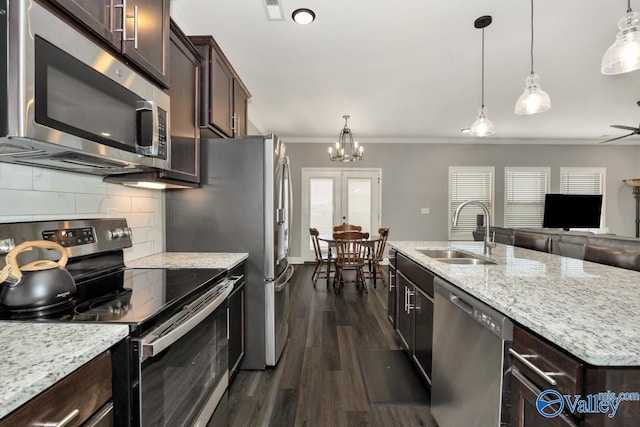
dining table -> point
(370, 242)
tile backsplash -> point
(33, 194)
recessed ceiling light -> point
(465, 130)
(303, 16)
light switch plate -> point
(425, 211)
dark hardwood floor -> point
(317, 381)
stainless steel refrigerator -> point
(244, 205)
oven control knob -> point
(127, 232)
(116, 234)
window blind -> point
(469, 183)
(582, 180)
(524, 196)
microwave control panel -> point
(162, 133)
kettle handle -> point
(13, 269)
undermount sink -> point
(445, 253)
(464, 261)
(452, 256)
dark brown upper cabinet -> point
(223, 96)
(184, 92)
(144, 37)
(240, 97)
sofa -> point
(608, 249)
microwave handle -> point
(147, 138)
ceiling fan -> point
(634, 131)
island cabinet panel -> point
(86, 390)
(563, 368)
(223, 95)
(404, 319)
(423, 332)
(618, 380)
(523, 406)
(573, 378)
(392, 302)
(138, 29)
(414, 315)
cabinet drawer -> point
(86, 390)
(559, 365)
(418, 275)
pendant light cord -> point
(482, 68)
(532, 36)
(628, 6)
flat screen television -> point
(572, 211)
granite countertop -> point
(34, 356)
(190, 260)
(590, 310)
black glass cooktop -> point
(133, 296)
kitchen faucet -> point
(488, 242)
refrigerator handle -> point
(280, 210)
(287, 169)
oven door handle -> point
(154, 344)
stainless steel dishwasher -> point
(470, 372)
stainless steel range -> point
(172, 370)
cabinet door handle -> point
(235, 124)
(544, 375)
(123, 30)
(405, 300)
(392, 281)
(410, 306)
(135, 26)
(66, 420)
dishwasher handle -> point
(459, 302)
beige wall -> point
(28, 194)
(416, 176)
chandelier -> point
(346, 149)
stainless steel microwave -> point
(72, 105)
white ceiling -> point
(409, 70)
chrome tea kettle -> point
(38, 285)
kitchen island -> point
(574, 332)
(34, 356)
(590, 310)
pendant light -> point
(347, 150)
(482, 126)
(533, 100)
(624, 54)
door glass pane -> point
(321, 206)
(359, 203)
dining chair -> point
(351, 250)
(347, 227)
(322, 260)
(375, 257)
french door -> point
(332, 196)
